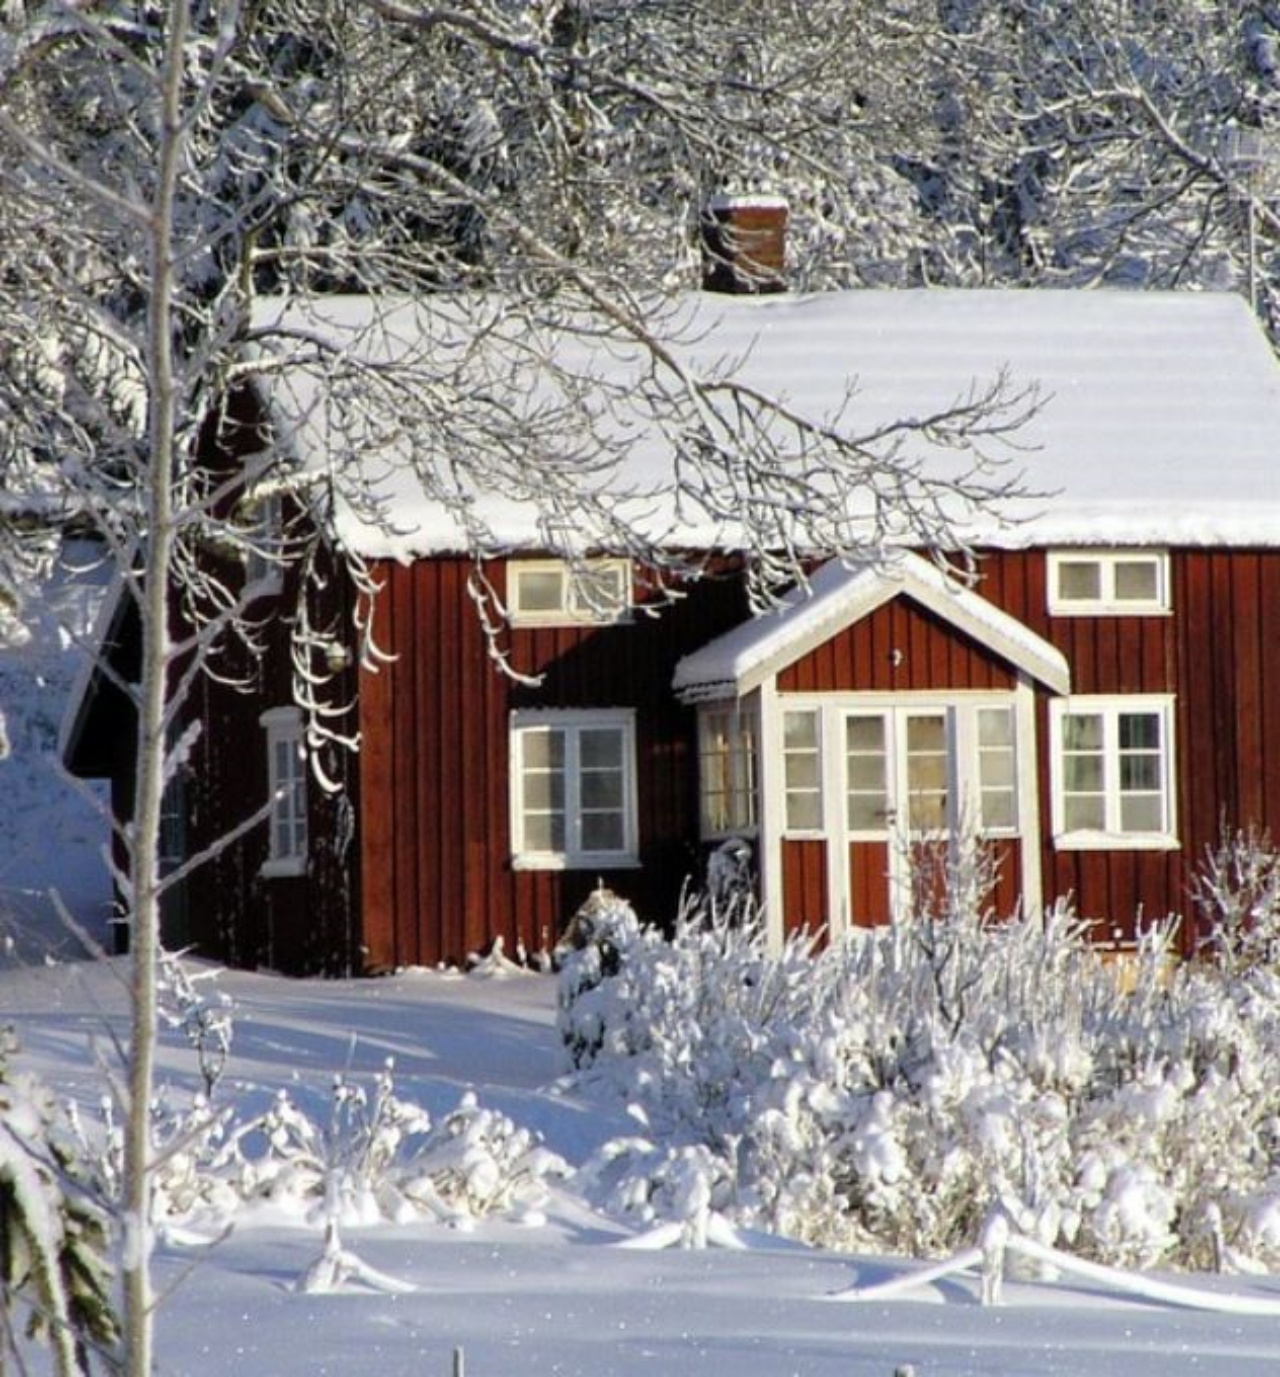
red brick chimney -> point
(744, 245)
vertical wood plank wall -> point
(435, 841)
(430, 878)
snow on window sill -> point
(1116, 841)
(555, 861)
(284, 868)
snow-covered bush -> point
(892, 1089)
(1237, 891)
(189, 1001)
(372, 1156)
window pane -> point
(598, 590)
(926, 734)
(1137, 580)
(1139, 773)
(544, 832)
(600, 748)
(804, 812)
(1084, 813)
(543, 748)
(1139, 731)
(602, 832)
(602, 789)
(802, 771)
(867, 813)
(539, 590)
(1142, 813)
(864, 734)
(997, 769)
(542, 790)
(998, 811)
(800, 730)
(866, 773)
(1083, 774)
(995, 727)
(1079, 580)
(1082, 731)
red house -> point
(1096, 705)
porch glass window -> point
(1113, 772)
(866, 772)
(802, 771)
(727, 771)
(573, 789)
(287, 792)
(997, 775)
(926, 765)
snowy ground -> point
(575, 1294)
(568, 1296)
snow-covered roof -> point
(753, 651)
(1159, 420)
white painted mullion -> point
(1026, 759)
(831, 742)
(772, 806)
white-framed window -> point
(573, 788)
(287, 791)
(1113, 772)
(727, 771)
(1108, 583)
(554, 592)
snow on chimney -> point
(744, 245)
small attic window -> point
(1111, 583)
(553, 592)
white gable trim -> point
(756, 651)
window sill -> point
(1121, 610)
(544, 861)
(1113, 841)
(284, 868)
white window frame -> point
(1108, 603)
(573, 607)
(728, 744)
(1111, 836)
(961, 710)
(287, 846)
(573, 722)
(263, 527)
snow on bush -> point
(372, 1157)
(894, 1089)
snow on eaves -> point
(1158, 424)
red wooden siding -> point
(804, 885)
(899, 646)
(869, 886)
(435, 828)
(1218, 652)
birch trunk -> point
(139, 1298)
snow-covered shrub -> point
(372, 1156)
(895, 1088)
(202, 1015)
(53, 1235)
(1237, 890)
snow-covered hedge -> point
(890, 1091)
